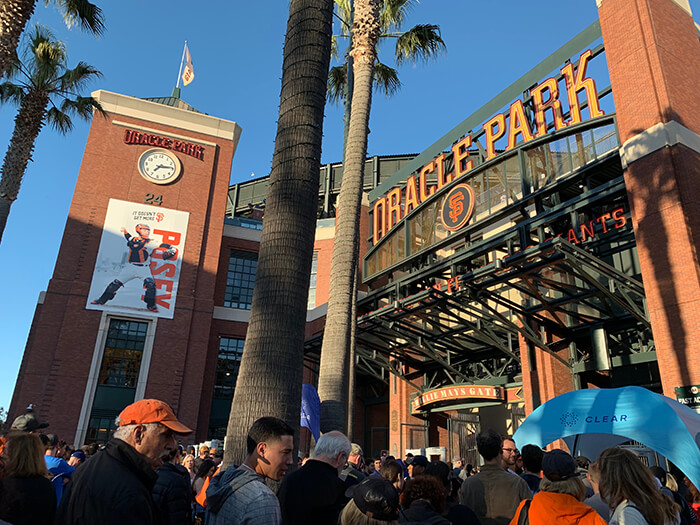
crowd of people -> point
(143, 476)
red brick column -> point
(653, 55)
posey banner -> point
(139, 260)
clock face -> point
(159, 166)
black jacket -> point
(112, 488)
(173, 494)
(421, 512)
(27, 501)
(313, 494)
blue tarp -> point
(659, 422)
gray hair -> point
(330, 444)
(123, 432)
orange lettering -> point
(411, 195)
(422, 182)
(518, 124)
(442, 178)
(494, 129)
(552, 103)
(393, 211)
(379, 220)
(169, 237)
(460, 152)
(618, 216)
(575, 83)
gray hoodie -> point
(240, 497)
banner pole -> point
(182, 61)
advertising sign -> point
(139, 260)
(457, 394)
(689, 395)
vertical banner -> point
(139, 261)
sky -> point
(236, 49)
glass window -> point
(122, 356)
(100, 430)
(227, 364)
(240, 279)
(311, 304)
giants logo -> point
(457, 208)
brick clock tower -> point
(130, 303)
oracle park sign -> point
(447, 193)
(546, 98)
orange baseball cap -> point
(152, 411)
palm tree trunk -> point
(28, 124)
(14, 15)
(270, 377)
(351, 365)
(333, 372)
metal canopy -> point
(549, 295)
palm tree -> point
(14, 15)
(46, 91)
(270, 376)
(421, 42)
(372, 21)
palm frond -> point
(12, 93)
(334, 46)
(83, 107)
(82, 12)
(393, 13)
(59, 120)
(386, 79)
(421, 42)
(343, 12)
(76, 79)
(14, 69)
(337, 77)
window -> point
(227, 364)
(311, 304)
(119, 373)
(240, 279)
(122, 356)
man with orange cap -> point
(115, 486)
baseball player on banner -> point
(138, 267)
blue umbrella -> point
(657, 421)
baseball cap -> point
(558, 465)
(78, 454)
(152, 411)
(376, 498)
(27, 423)
(420, 461)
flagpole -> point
(182, 61)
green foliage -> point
(42, 68)
(420, 43)
(82, 12)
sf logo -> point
(458, 206)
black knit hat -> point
(376, 498)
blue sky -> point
(236, 48)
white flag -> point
(188, 73)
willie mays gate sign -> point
(514, 237)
